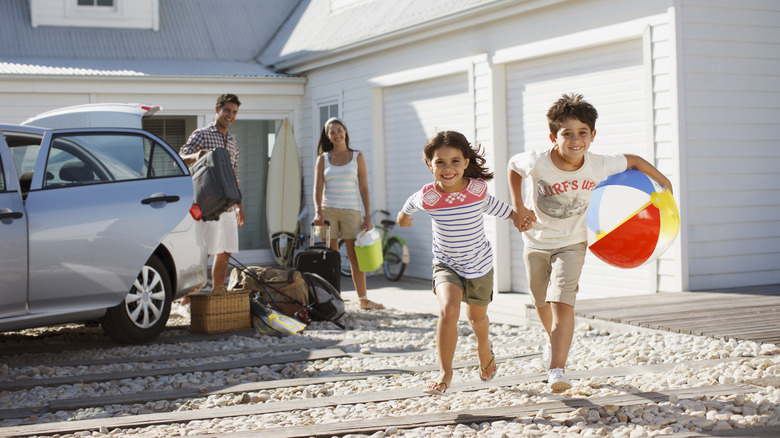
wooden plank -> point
(227, 365)
(365, 397)
(30, 347)
(85, 402)
(677, 311)
(765, 321)
(707, 317)
(507, 413)
(189, 355)
(753, 432)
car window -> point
(24, 149)
(80, 159)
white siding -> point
(731, 103)
(663, 124)
(611, 78)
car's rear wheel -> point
(145, 310)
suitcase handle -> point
(311, 233)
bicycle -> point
(394, 251)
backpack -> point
(325, 302)
(282, 288)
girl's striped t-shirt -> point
(459, 240)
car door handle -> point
(11, 215)
(169, 198)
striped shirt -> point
(341, 184)
(459, 240)
(209, 138)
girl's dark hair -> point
(571, 106)
(325, 144)
(476, 167)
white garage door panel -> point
(412, 113)
(612, 79)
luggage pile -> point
(283, 300)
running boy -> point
(462, 258)
(562, 179)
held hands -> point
(523, 219)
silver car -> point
(95, 224)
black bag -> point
(216, 189)
(319, 259)
(325, 302)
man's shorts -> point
(477, 291)
(554, 274)
(344, 223)
(221, 235)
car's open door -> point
(13, 238)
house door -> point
(412, 113)
(612, 79)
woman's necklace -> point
(576, 166)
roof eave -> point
(296, 64)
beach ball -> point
(631, 219)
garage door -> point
(612, 79)
(412, 112)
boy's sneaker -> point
(546, 355)
(557, 380)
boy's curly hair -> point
(476, 167)
(571, 106)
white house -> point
(690, 85)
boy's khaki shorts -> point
(344, 223)
(477, 291)
(554, 274)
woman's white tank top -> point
(341, 184)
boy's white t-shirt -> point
(560, 198)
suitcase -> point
(214, 182)
(319, 259)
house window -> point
(327, 111)
(96, 3)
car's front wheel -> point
(145, 310)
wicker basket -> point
(220, 312)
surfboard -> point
(283, 195)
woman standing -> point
(340, 184)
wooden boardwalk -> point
(745, 313)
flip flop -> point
(436, 388)
(487, 373)
(371, 305)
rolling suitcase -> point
(216, 189)
(319, 259)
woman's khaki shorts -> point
(477, 291)
(554, 274)
(344, 223)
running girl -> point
(462, 258)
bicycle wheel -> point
(346, 269)
(394, 264)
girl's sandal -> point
(487, 373)
(436, 388)
(370, 305)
